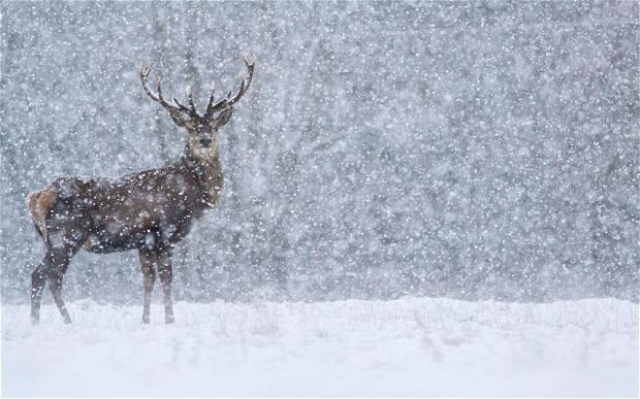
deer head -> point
(203, 129)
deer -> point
(148, 211)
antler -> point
(176, 108)
(192, 108)
(244, 87)
(227, 102)
(144, 74)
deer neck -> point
(207, 171)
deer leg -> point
(51, 269)
(55, 285)
(147, 261)
(38, 279)
(166, 275)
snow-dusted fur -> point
(148, 211)
(39, 204)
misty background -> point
(474, 150)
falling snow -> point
(476, 151)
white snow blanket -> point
(407, 347)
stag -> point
(148, 211)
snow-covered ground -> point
(407, 347)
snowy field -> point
(408, 347)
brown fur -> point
(39, 204)
(147, 211)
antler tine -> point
(244, 86)
(191, 104)
(192, 110)
(144, 74)
(159, 90)
(213, 90)
(182, 107)
(211, 107)
(215, 107)
(228, 101)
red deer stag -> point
(149, 211)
